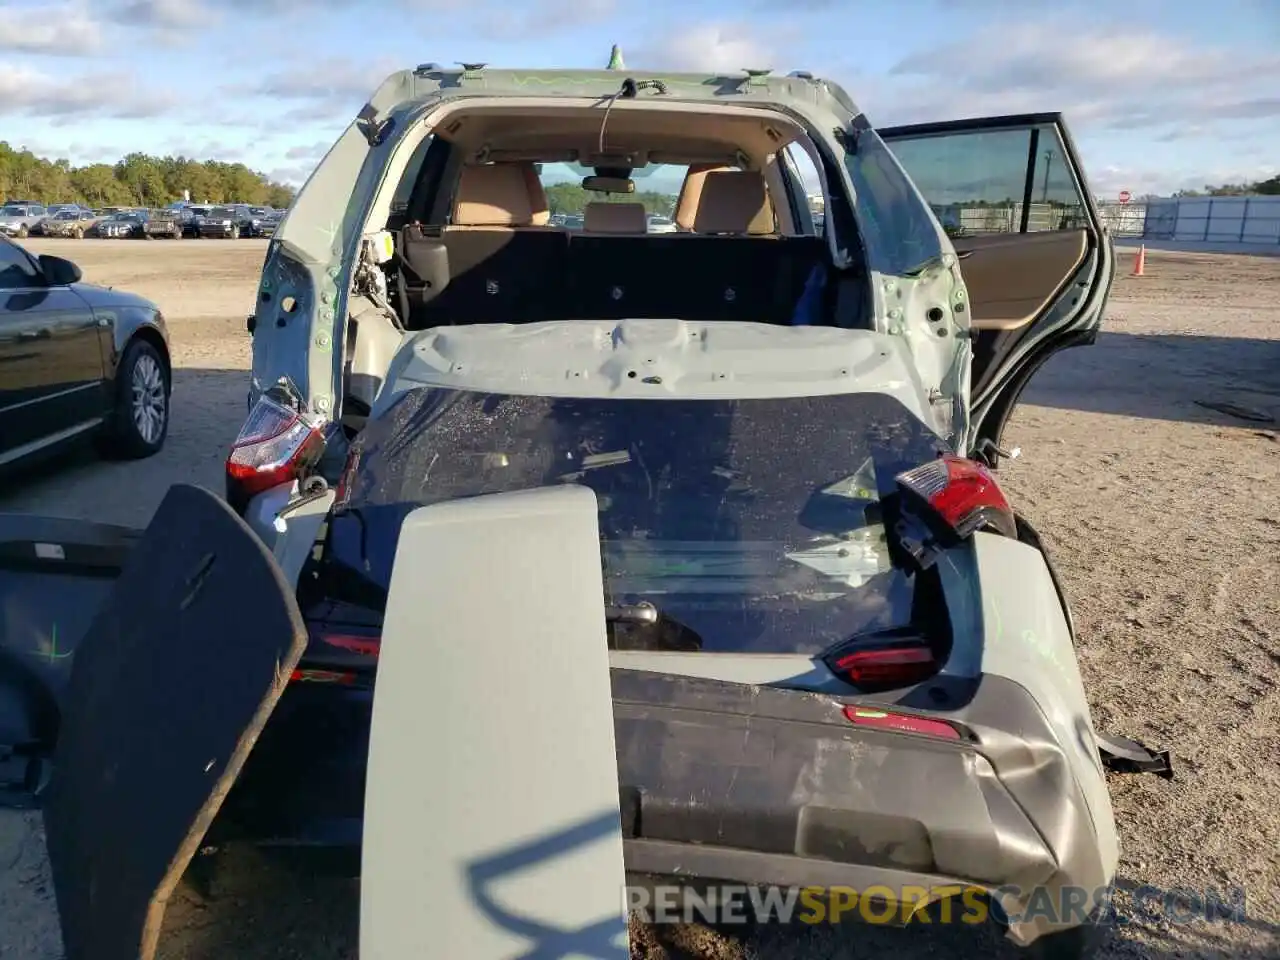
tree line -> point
(570, 198)
(137, 180)
(1268, 188)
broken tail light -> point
(958, 495)
(275, 446)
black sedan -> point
(228, 222)
(125, 225)
(77, 360)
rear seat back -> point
(504, 267)
(733, 202)
(496, 261)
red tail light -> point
(343, 677)
(900, 722)
(886, 668)
(366, 646)
(273, 447)
(960, 493)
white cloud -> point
(1109, 179)
(62, 99)
(1103, 79)
(65, 30)
(708, 46)
(312, 151)
(294, 176)
(199, 14)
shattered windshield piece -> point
(754, 525)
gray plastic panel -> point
(492, 823)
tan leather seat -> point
(603, 217)
(722, 200)
(500, 195)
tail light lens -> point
(875, 666)
(961, 494)
(275, 446)
(900, 722)
(341, 655)
(886, 668)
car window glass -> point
(980, 182)
(16, 269)
(657, 186)
(896, 228)
(810, 182)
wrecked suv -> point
(839, 656)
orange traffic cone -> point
(1140, 261)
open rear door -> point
(1035, 256)
(169, 689)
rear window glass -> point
(753, 526)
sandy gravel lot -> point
(1163, 514)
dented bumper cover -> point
(774, 787)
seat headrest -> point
(603, 217)
(725, 200)
(500, 195)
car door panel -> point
(1035, 256)
(51, 366)
(1012, 278)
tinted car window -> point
(16, 268)
(754, 526)
(895, 223)
(979, 181)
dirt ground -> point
(1163, 514)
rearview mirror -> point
(609, 184)
(59, 272)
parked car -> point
(19, 219)
(790, 447)
(227, 222)
(195, 215)
(262, 221)
(168, 224)
(75, 223)
(661, 224)
(77, 359)
(123, 225)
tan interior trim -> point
(1013, 277)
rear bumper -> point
(726, 783)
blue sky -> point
(1160, 95)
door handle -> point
(41, 334)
